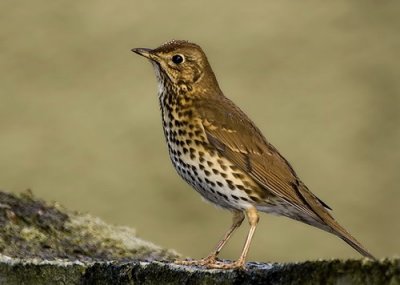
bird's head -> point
(181, 63)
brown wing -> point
(234, 135)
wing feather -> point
(235, 137)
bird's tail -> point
(333, 226)
(338, 230)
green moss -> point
(32, 234)
(336, 272)
(43, 243)
(31, 228)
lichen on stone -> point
(43, 243)
(32, 228)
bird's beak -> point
(146, 52)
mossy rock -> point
(337, 272)
(31, 228)
(43, 243)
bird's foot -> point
(238, 264)
(207, 261)
(212, 263)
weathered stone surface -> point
(42, 243)
(31, 228)
(14, 271)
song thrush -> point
(220, 152)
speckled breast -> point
(213, 176)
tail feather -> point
(333, 226)
(338, 230)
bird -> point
(218, 150)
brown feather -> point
(235, 136)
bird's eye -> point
(177, 59)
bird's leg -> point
(237, 220)
(253, 219)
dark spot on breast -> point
(207, 173)
(201, 159)
(254, 198)
(230, 184)
(209, 182)
(238, 175)
(235, 197)
(240, 187)
(216, 172)
(222, 195)
(233, 167)
(185, 150)
(201, 166)
(188, 113)
(220, 184)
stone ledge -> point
(44, 243)
(32, 228)
(17, 271)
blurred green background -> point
(80, 122)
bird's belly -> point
(213, 177)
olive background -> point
(80, 121)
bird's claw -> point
(211, 262)
(207, 261)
